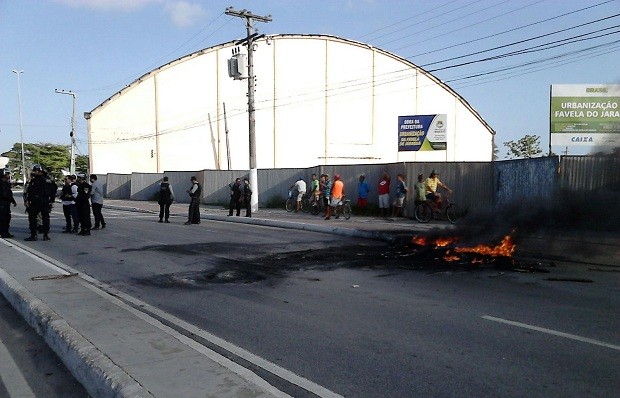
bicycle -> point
(424, 212)
(291, 201)
(346, 208)
(318, 206)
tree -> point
(81, 164)
(525, 147)
(54, 158)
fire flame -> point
(504, 249)
(439, 242)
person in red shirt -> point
(384, 195)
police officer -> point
(6, 199)
(247, 197)
(194, 205)
(38, 200)
(82, 204)
(67, 196)
(235, 198)
(165, 199)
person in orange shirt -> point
(336, 197)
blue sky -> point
(96, 47)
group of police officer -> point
(39, 197)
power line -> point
(511, 30)
(443, 23)
(521, 41)
(417, 16)
(469, 26)
(525, 51)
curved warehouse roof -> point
(325, 66)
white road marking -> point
(13, 380)
(553, 332)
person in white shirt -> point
(300, 186)
(96, 199)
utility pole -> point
(72, 134)
(249, 42)
(21, 126)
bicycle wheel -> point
(305, 205)
(346, 211)
(315, 209)
(290, 204)
(423, 213)
(453, 213)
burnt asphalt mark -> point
(271, 268)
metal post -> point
(249, 18)
(72, 134)
(21, 127)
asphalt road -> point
(357, 318)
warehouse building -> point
(319, 100)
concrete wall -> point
(474, 184)
(118, 186)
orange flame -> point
(504, 249)
(451, 257)
(439, 242)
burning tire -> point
(453, 213)
(423, 213)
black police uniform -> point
(235, 199)
(82, 203)
(6, 200)
(164, 200)
(247, 199)
(39, 197)
(194, 205)
(69, 209)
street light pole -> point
(72, 161)
(21, 127)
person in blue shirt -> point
(401, 193)
(362, 193)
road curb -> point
(94, 370)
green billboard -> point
(585, 114)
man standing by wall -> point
(38, 200)
(401, 193)
(6, 199)
(67, 196)
(384, 195)
(235, 198)
(82, 202)
(247, 197)
(97, 201)
(362, 193)
(194, 205)
(165, 199)
(336, 197)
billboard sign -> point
(585, 114)
(422, 133)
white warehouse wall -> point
(319, 100)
